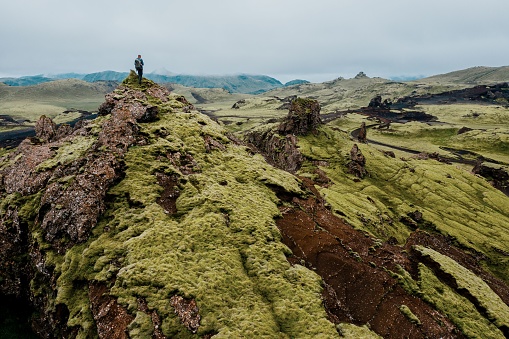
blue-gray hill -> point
(242, 83)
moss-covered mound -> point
(451, 228)
(183, 243)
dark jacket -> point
(138, 63)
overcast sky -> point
(315, 40)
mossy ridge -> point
(457, 308)
(353, 331)
(68, 152)
(496, 310)
(453, 201)
(222, 248)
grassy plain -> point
(52, 99)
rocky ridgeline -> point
(152, 221)
(81, 205)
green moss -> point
(142, 326)
(452, 201)
(405, 280)
(407, 312)
(353, 331)
(456, 307)
(496, 310)
(222, 247)
(68, 152)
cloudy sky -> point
(315, 40)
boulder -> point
(357, 163)
(45, 129)
(303, 117)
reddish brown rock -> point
(362, 133)
(45, 129)
(303, 117)
(357, 163)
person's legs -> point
(140, 74)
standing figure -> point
(138, 64)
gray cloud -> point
(315, 40)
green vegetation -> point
(222, 247)
(407, 312)
(496, 309)
(353, 331)
(52, 99)
(452, 201)
(457, 308)
(68, 152)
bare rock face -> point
(45, 129)
(496, 175)
(362, 133)
(357, 162)
(279, 145)
(303, 117)
(280, 151)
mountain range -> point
(241, 83)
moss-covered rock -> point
(218, 246)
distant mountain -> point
(406, 77)
(242, 83)
(26, 81)
(296, 82)
(106, 76)
(474, 75)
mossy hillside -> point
(456, 307)
(353, 331)
(453, 202)
(68, 152)
(496, 309)
(222, 248)
(476, 116)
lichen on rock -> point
(111, 243)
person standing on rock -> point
(138, 64)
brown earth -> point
(354, 268)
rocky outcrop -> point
(498, 176)
(357, 163)
(150, 221)
(377, 102)
(303, 117)
(279, 145)
(65, 173)
(362, 133)
(280, 151)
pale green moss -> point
(222, 248)
(496, 309)
(407, 312)
(353, 331)
(142, 326)
(68, 152)
(453, 201)
(457, 308)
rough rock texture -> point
(362, 133)
(280, 151)
(358, 288)
(45, 128)
(279, 146)
(187, 311)
(357, 163)
(498, 176)
(70, 193)
(303, 117)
